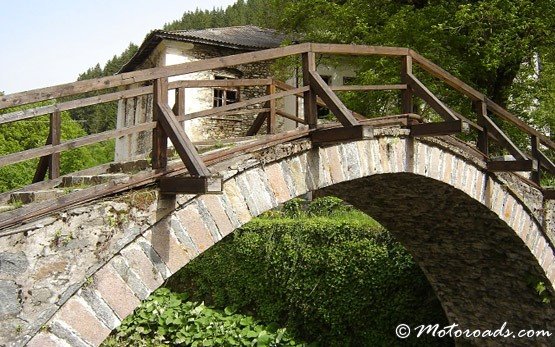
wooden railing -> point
(167, 122)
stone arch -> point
(191, 224)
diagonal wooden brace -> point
(183, 145)
(331, 100)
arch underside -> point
(481, 271)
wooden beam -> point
(290, 116)
(503, 139)
(181, 142)
(229, 83)
(535, 146)
(506, 115)
(512, 165)
(331, 100)
(436, 129)
(423, 92)
(159, 135)
(341, 134)
(271, 122)
(443, 75)
(241, 104)
(127, 78)
(191, 185)
(56, 137)
(348, 88)
(342, 49)
(309, 97)
(130, 93)
(481, 110)
(548, 193)
(42, 166)
(546, 163)
(407, 104)
(257, 124)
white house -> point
(164, 48)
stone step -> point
(24, 197)
(129, 167)
(85, 181)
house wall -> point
(137, 110)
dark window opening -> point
(224, 96)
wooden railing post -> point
(56, 137)
(179, 105)
(481, 109)
(310, 109)
(536, 174)
(271, 121)
(159, 136)
(407, 104)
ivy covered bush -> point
(330, 274)
(167, 319)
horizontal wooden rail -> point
(342, 49)
(253, 101)
(131, 93)
(348, 88)
(128, 78)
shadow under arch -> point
(481, 270)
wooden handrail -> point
(314, 91)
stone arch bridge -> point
(77, 263)
(479, 237)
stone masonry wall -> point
(72, 277)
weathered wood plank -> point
(127, 78)
(506, 115)
(546, 163)
(310, 110)
(220, 83)
(271, 122)
(56, 137)
(342, 49)
(423, 92)
(159, 135)
(435, 129)
(348, 88)
(18, 157)
(181, 142)
(407, 104)
(503, 139)
(290, 116)
(331, 100)
(257, 124)
(445, 76)
(241, 104)
(190, 185)
(42, 166)
(481, 110)
(512, 165)
(341, 134)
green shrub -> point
(331, 275)
(166, 318)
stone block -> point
(83, 321)
(173, 253)
(115, 292)
(215, 207)
(13, 263)
(46, 340)
(9, 298)
(191, 220)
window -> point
(224, 96)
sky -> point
(51, 42)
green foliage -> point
(166, 318)
(28, 134)
(101, 117)
(329, 273)
(253, 12)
